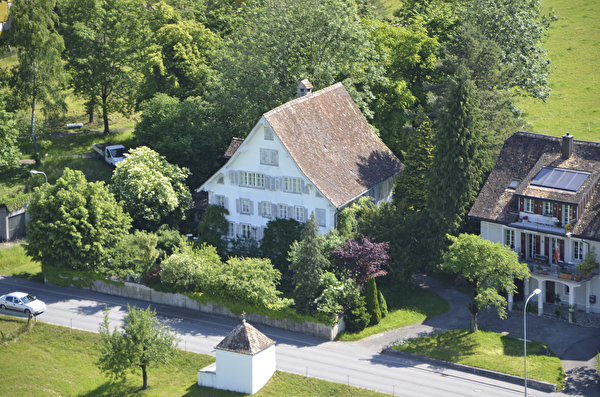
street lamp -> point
(536, 292)
(39, 172)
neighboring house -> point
(12, 223)
(315, 154)
(5, 17)
(543, 199)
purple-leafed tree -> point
(361, 258)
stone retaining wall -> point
(536, 384)
(141, 292)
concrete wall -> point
(141, 292)
(207, 376)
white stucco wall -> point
(234, 371)
(264, 365)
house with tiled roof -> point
(315, 154)
(542, 199)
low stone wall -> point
(141, 292)
(536, 384)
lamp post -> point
(34, 172)
(536, 292)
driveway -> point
(575, 345)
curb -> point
(536, 384)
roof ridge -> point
(303, 98)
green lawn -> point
(48, 360)
(415, 309)
(489, 350)
(574, 48)
(14, 262)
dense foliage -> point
(491, 267)
(143, 342)
(152, 190)
(74, 223)
(361, 258)
(372, 298)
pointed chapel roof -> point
(245, 339)
(333, 144)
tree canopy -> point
(39, 74)
(491, 267)
(361, 258)
(74, 223)
(153, 191)
(9, 134)
(143, 342)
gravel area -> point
(581, 317)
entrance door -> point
(550, 285)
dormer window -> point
(514, 183)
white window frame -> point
(220, 200)
(567, 213)
(245, 206)
(245, 230)
(231, 230)
(528, 205)
(252, 179)
(282, 211)
(266, 209)
(292, 185)
(548, 208)
(300, 214)
(578, 251)
(509, 237)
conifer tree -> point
(373, 301)
(412, 188)
(459, 156)
(307, 265)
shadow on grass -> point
(116, 388)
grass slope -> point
(50, 360)
(574, 48)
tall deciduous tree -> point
(519, 28)
(153, 191)
(279, 235)
(491, 267)
(104, 42)
(9, 134)
(39, 74)
(180, 56)
(179, 130)
(361, 258)
(74, 223)
(143, 342)
(285, 41)
(307, 264)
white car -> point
(22, 302)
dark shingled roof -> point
(522, 157)
(245, 339)
(333, 144)
(233, 146)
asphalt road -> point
(350, 363)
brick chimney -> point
(304, 88)
(567, 145)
